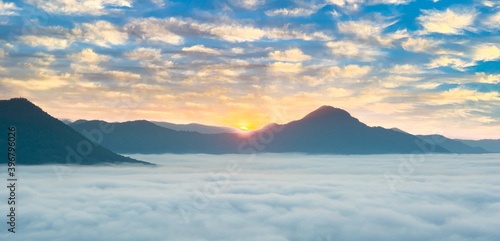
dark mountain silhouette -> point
(325, 130)
(203, 129)
(488, 144)
(454, 146)
(145, 137)
(42, 139)
(333, 130)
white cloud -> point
(152, 61)
(200, 49)
(44, 80)
(155, 30)
(351, 5)
(48, 42)
(353, 50)
(100, 33)
(446, 22)
(124, 76)
(8, 8)
(405, 69)
(87, 61)
(78, 7)
(486, 78)
(493, 21)
(395, 2)
(460, 95)
(88, 56)
(368, 29)
(168, 31)
(159, 3)
(452, 62)
(314, 198)
(237, 50)
(291, 55)
(295, 12)
(427, 85)
(486, 52)
(290, 68)
(361, 29)
(248, 4)
(144, 54)
(420, 45)
(349, 71)
(40, 60)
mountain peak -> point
(328, 112)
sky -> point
(429, 66)
(275, 197)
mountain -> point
(203, 129)
(42, 139)
(145, 137)
(488, 145)
(333, 130)
(327, 130)
(454, 146)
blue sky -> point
(423, 66)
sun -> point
(243, 128)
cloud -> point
(405, 69)
(486, 52)
(293, 203)
(159, 3)
(351, 5)
(452, 62)
(427, 85)
(151, 60)
(460, 95)
(420, 45)
(155, 30)
(295, 12)
(361, 29)
(40, 82)
(248, 4)
(100, 33)
(349, 71)
(76, 7)
(290, 68)
(200, 49)
(446, 22)
(169, 31)
(351, 49)
(88, 56)
(482, 77)
(371, 30)
(87, 61)
(40, 61)
(124, 76)
(291, 55)
(50, 43)
(395, 2)
(8, 8)
(144, 54)
(493, 21)
(237, 50)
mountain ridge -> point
(43, 139)
(322, 131)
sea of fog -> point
(266, 197)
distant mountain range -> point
(327, 130)
(42, 139)
(488, 145)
